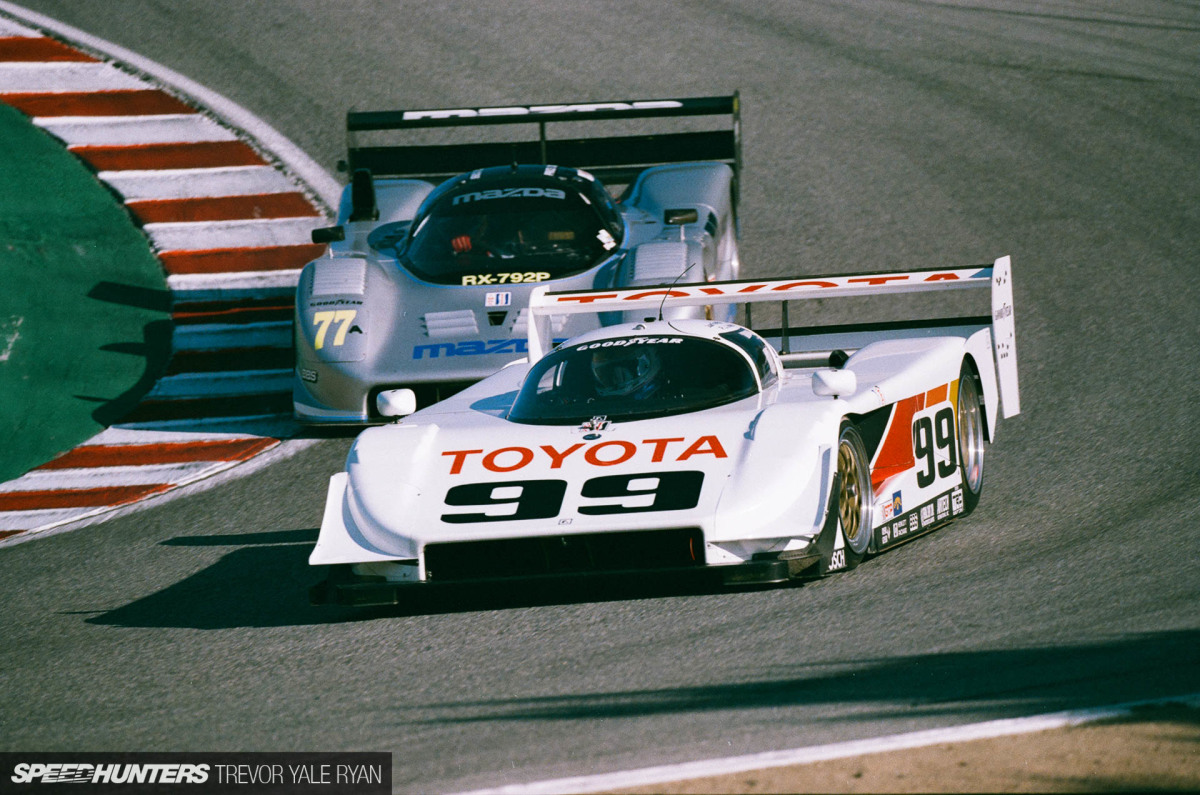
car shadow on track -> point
(1013, 682)
(265, 580)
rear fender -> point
(701, 185)
(979, 349)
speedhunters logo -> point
(351, 773)
(83, 773)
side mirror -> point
(396, 402)
(329, 234)
(834, 383)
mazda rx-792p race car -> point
(437, 249)
(681, 445)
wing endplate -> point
(1004, 336)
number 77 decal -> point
(322, 320)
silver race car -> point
(690, 446)
(437, 248)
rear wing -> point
(614, 158)
(545, 305)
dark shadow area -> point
(1012, 682)
(1144, 22)
(326, 431)
(264, 582)
(243, 539)
(155, 348)
(131, 295)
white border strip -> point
(801, 756)
(327, 189)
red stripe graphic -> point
(77, 498)
(895, 452)
(97, 103)
(109, 455)
(222, 208)
(230, 260)
(28, 48)
(205, 154)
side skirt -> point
(923, 519)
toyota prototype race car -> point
(437, 248)
(682, 446)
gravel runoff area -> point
(1155, 749)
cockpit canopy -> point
(631, 378)
(512, 225)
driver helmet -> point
(625, 372)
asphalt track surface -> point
(877, 135)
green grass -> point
(84, 308)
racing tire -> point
(972, 442)
(854, 495)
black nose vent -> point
(496, 318)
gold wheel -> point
(854, 491)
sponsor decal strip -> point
(231, 230)
(929, 516)
(778, 289)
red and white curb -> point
(227, 205)
(707, 768)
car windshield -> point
(509, 235)
(632, 378)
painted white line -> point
(328, 189)
(168, 128)
(102, 477)
(252, 233)
(185, 432)
(651, 776)
(215, 336)
(31, 520)
(195, 183)
(210, 385)
(19, 77)
(216, 287)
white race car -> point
(688, 446)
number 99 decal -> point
(509, 501)
(513, 500)
(931, 434)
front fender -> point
(780, 486)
